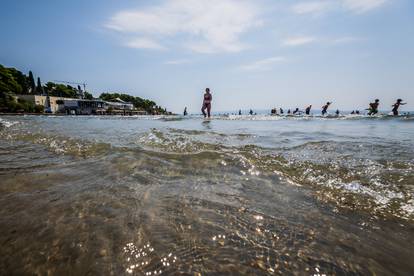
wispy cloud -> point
(204, 26)
(319, 7)
(263, 64)
(315, 7)
(177, 61)
(361, 6)
(298, 40)
(144, 43)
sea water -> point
(258, 195)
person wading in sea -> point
(396, 106)
(207, 103)
(308, 109)
(373, 107)
(325, 108)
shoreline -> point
(59, 114)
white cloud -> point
(263, 64)
(204, 26)
(315, 7)
(361, 6)
(177, 61)
(298, 40)
(144, 43)
(323, 6)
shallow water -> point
(255, 195)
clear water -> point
(256, 195)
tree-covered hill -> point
(140, 103)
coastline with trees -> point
(14, 85)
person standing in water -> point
(325, 108)
(240, 113)
(185, 111)
(373, 107)
(308, 109)
(207, 103)
(396, 106)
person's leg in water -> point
(203, 110)
(208, 110)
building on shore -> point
(82, 106)
(71, 106)
(51, 104)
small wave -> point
(6, 124)
(350, 174)
(336, 176)
(173, 142)
(61, 144)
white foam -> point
(6, 123)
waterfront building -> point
(83, 107)
(72, 106)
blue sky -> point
(252, 54)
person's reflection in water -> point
(206, 124)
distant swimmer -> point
(296, 111)
(240, 112)
(373, 107)
(288, 111)
(251, 112)
(357, 112)
(207, 103)
(273, 111)
(396, 106)
(325, 108)
(185, 111)
(308, 109)
(337, 112)
(281, 111)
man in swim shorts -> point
(373, 107)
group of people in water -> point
(297, 111)
(307, 110)
(372, 110)
(373, 107)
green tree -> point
(87, 95)
(39, 88)
(7, 81)
(60, 90)
(32, 85)
(20, 78)
(147, 105)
